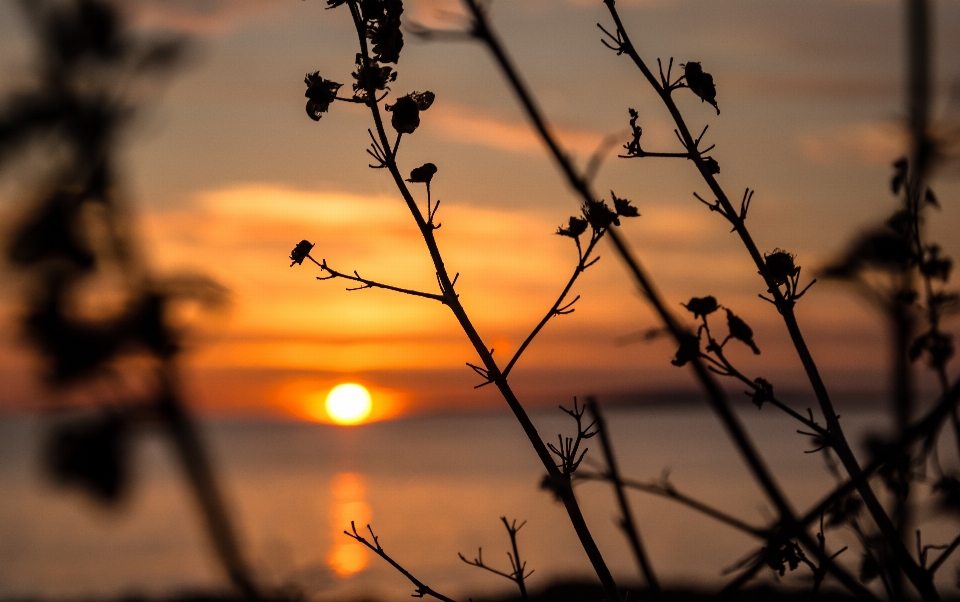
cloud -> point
(512, 267)
(436, 14)
(871, 143)
(470, 126)
(803, 87)
(203, 17)
(243, 235)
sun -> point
(348, 404)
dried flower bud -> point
(937, 345)
(780, 555)
(423, 99)
(406, 111)
(423, 174)
(373, 76)
(781, 266)
(711, 164)
(623, 207)
(633, 147)
(843, 511)
(599, 215)
(321, 93)
(701, 83)
(702, 306)
(689, 350)
(575, 229)
(300, 252)
(763, 392)
(384, 32)
(935, 266)
(741, 330)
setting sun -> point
(348, 403)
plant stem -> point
(920, 579)
(627, 523)
(716, 395)
(561, 482)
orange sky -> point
(229, 173)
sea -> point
(430, 487)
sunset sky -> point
(228, 173)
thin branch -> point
(558, 308)
(421, 588)
(917, 432)
(596, 159)
(665, 489)
(560, 482)
(518, 573)
(366, 283)
(716, 395)
(785, 307)
(478, 562)
(642, 153)
(950, 549)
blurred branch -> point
(626, 522)
(664, 488)
(774, 277)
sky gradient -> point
(228, 173)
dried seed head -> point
(623, 207)
(702, 306)
(701, 83)
(320, 92)
(300, 252)
(689, 350)
(575, 229)
(423, 174)
(781, 266)
(599, 215)
(406, 111)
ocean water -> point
(430, 487)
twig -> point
(561, 482)
(568, 448)
(665, 489)
(365, 283)
(785, 306)
(518, 572)
(950, 549)
(716, 395)
(421, 588)
(558, 307)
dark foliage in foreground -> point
(556, 592)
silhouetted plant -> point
(595, 219)
(898, 247)
(421, 589)
(518, 568)
(89, 64)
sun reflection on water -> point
(347, 557)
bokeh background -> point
(228, 173)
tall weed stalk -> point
(787, 541)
